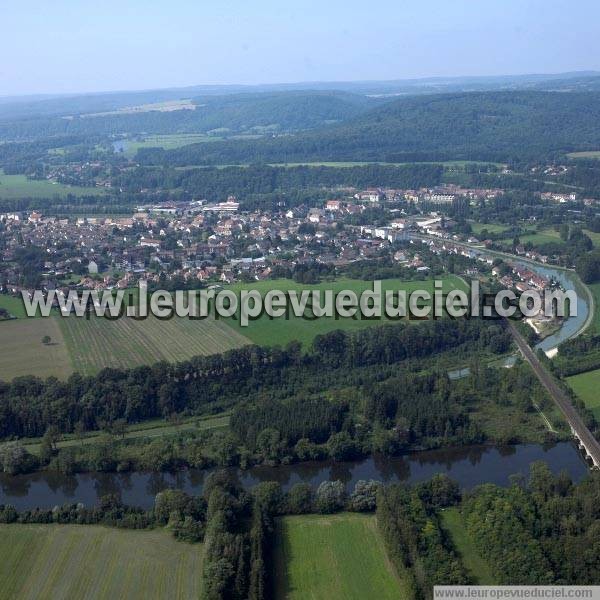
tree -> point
(269, 444)
(169, 501)
(46, 340)
(51, 437)
(268, 495)
(331, 496)
(588, 267)
(46, 449)
(439, 492)
(176, 420)
(364, 496)
(300, 499)
(217, 578)
(119, 428)
(79, 430)
(14, 458)
(341, 446)
(307, 450)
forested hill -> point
(229, 114)
(477, 126)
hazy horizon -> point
(425, 78)
(75, 48)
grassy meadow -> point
(449, 163)
(154, 428)
(546, 236)
(23, 352)
(167, 142)
(333, 557)
(267, 331)
(18, 186)
(477, 228)
(595, 291)
(586, 154)
(594, 236)
(586, 386)
(14, 305)
(537, 238)
(477, 567)
(543, 236)
(54, 562)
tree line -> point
(541, 531)
(29, 405)
(212, 182)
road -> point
(579, 428)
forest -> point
(264, 179)
(375, 391)
(29, 405)
(541, 532)
(224, 114)
(507, 126)
(488, 126)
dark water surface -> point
(469, 466)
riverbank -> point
(586, 306)
(469, 466)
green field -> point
(595, 237)
(544, 236)
(164, 106)
(588, 154)
(334, 164)
(586, 386)
(477, 228)
(333, 557)
(18, 186)
(96, 343)
(477, 567)
(13, 304)
(167, 142)
(265, 331)
(595, 290)
(53, 562)
(447, 163)
(548, 236)
(24, 354)
(88, 345)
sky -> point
(69, 46)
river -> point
(568, 279)
(573, 325)
(469, 466)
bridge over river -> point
(587, 442)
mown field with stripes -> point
(96, 563)
(96, 343)
(87, 345)
(338, 557)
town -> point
(198, 242)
